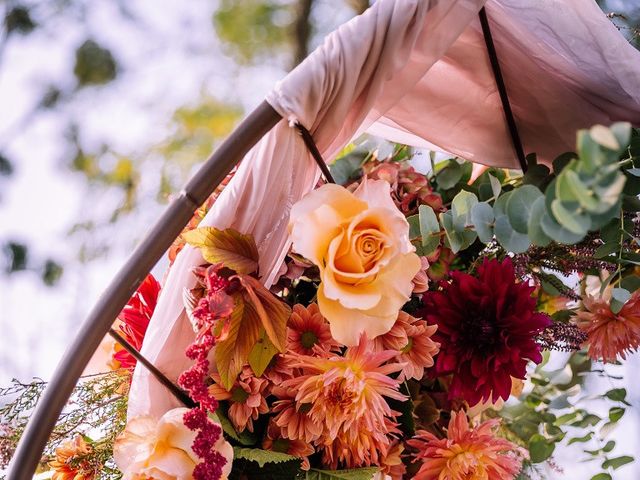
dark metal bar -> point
(145, 256)
(315, 153)
(502, 90)
(161, 377)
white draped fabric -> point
(415, 72)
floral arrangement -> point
(408, 335)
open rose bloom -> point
(360, 243)
(162, 449)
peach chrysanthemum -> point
(306, 329)
(346, 396)
(358, 446)
(247, 398)
(411, 337)
(71, 461)
(392, 464)
(467, 452)
(293, 418)
(610, 334)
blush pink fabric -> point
(415, 72)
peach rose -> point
(360, 242)
(161, 449)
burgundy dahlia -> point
(486, 329)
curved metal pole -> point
(146, 255)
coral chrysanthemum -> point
(610, 334)
(306, 329)
(71, 461)
(467, 453)
(486, 329)
(134, 320)
(293, 418)
(276, 442)
(347, 396)
(247, 398)
(411, 337)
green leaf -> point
(511, 240)
(458, 240)
(346, 168)
(605, 250)
(535, 231)
(557, 232)
(617, 462)
(245, 438)
(610, 445)
(584, 195)
(461, 207)
(601, 476)
(631, 283)
(562, 161)
(604, 137)
(496, 186)
(429, 229)
(573, 221)
(583, 439)
(622, 131)
(519, 207)
(229, 247)
(261, 354)
(617, 394)
(634, 171)
(483, 220)
(353, 474)
(414, 226)
(261, 457)
(500, 205)
(616, 413)
(619, 296)
(540, 449)
(450, 175)
(537, 175)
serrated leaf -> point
(255, 309)
(511, 240)
(261, 354)
(519, 207)
(245, 438)
(617, 462)
(353, 474)
(261, 457)
(483, 220)
(229, 247)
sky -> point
(168, 59)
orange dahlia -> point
(610, 334)
(467, 453)
(346, 396)
(71, 462)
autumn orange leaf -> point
(229, 247)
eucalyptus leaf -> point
(496, 186)
(519, 206)
(450, 175)
(461, 207)
(573, 221)
(534, 228)
(511, 240)
(619, 296)
(458, 239)
(483, 221)
(557, 232)
(540, 449)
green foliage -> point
(251, 28)
(6, 167)
(18, 19)
(264, 464)
(353, 474)
(94, 65)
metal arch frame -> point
(33, 441)
(28, 454)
